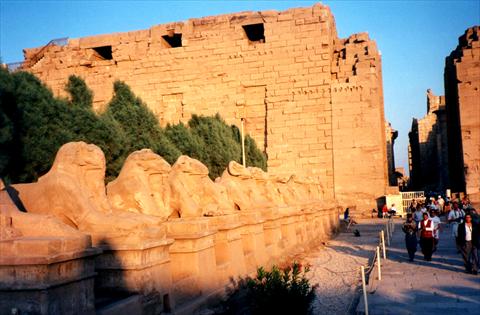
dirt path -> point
(335, 267)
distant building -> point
(428, 147)
(390, 135)
(444, 149)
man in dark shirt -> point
(468, 241)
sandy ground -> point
(335, 267)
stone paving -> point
(437, 287)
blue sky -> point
(413, 36)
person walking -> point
(436, 228)
(455, 217)
(418, 215)
(468, 241)
(441, 204)
(410, 230)
(426, 237)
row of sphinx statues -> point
(166, 232)
(148, 192)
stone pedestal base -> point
(142, 268)
(272, 231)
(192, 255)
(229, 248)
(253, 240)
(42, 275)
(288, 224)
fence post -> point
(364, 290)
(388, 234)
(378, 263)
(382, 237)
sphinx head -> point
(79, 158)
(186, 164)
(147, 161)
(258, 174)
(237, 170)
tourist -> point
(418, 214)
(412, 207)
(384, 211)
(441, 203)
(347, 218)
(455, 217)
(426, 237)
(393, 211)
(468, 240)
(410, 229)
(436, 229)
(475, 216)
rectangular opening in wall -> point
(103, 52)
(255, 33)
(173, 40)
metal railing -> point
(376, 262)
(14, 66)
(409, 196)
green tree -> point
(39, 122)
(102, 130)
(8, 147)
(139, 124)
(187, 142)
(220, 145)
(80, 94)
(254, 156)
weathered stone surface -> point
(42, 258)
(462, 94)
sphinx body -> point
(17, 225)
(74, 191)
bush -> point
(280, 291)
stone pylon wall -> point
(462, 91)
(313, 102)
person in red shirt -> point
(385, 211)
(427, 242)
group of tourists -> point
(423, 227)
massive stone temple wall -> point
(312, 101)
(462, 92)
